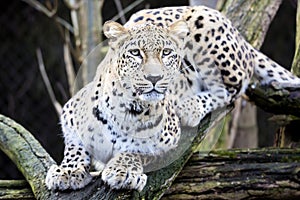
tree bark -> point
(15, 189)
(239, 174)
(27, 154)
(277, 101)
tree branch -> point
(277, 101)
(50, 13)
(27, 154)
(239, 174)
(47, 83)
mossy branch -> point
(239, 174)
(27, 154)
(275, 100)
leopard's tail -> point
(267, 71)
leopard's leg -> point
(73, 172)
(125, 171)
(192, 110)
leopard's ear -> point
(179, 29)
(114, 30)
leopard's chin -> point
(153, 95)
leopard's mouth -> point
(152, 95)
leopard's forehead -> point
(149, 37)
(147, 28)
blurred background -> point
(24, 96)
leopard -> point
(165, 68)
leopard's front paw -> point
(125, 171)
(120, 177)
(63, 178)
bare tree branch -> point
(55, 103)
(128, 8)
(68, 63)
(120, 11)
(50, 13)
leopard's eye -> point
(135, 52)
(166, 52)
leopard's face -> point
(148, 59)
(148, 69)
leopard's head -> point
(146, 57)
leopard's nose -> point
(153, 79)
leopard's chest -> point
(126, 128)
(134, 127)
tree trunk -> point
(288, 134)
(243, 125)
(87, 22)
(296, 61)
(243, 131)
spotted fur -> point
(165, 68)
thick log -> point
(220, 174)
(239, 174)
(15, 189)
